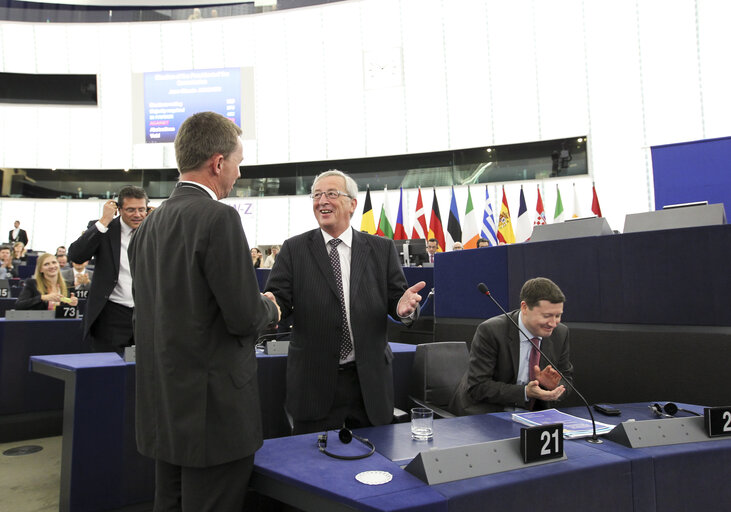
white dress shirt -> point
(122, 293)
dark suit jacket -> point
(304, 284)
(30, 297)
(489, 385)
(104, 248)
(22, 237)
(198, 311)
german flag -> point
(435, 225)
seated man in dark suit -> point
(505, 370)
(432, 246)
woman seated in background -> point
(256, 257)
(47, 288)
(269, 262)
(19, 253)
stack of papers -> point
(573, 426)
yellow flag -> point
(367, 222)
(505, 233)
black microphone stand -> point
(482, 287)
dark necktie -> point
(346, 345)
(533, 360)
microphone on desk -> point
(271, 335)
(482, 287)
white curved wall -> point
(629, 73)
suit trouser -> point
(347, 409)
(220, 488)
(112, 330)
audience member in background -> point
(457, 246)
(18, 235)
(19, 253)
(269, 262)
(432, 246)
(109, 308)
(61, 249)
(431, 249)
(256, 257)
(196, 15)
(77, 277)
(505, 371)
(6, 262)
(482, 242)
(63, 261)
(46, 289)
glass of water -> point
(422, 423)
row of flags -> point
(497, 231)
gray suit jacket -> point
(304, 284)
(198, 311)
(68, 275)
(489, 385)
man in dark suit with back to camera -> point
(109, 308)
(197, 316)
(504, 372)
(17, 235)
(340, 284)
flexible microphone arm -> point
(482, 287)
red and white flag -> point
(595, 208)
(419, 230)
(540, 211)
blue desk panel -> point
(457, 274)
(100, 465)
(603, 477)
(692, 476)
(20, 390)
(295, 464)
(587, 480)
(606, 279)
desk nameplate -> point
(660, 432)
(469, 461)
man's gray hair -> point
(351, 187)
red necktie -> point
(533, 360)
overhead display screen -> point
(173, 96)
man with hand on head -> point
(505, 371)
(340, 285)
(109, 308)
(198, 312)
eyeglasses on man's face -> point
(330, 194)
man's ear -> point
(218, 163)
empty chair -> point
(437, 370)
